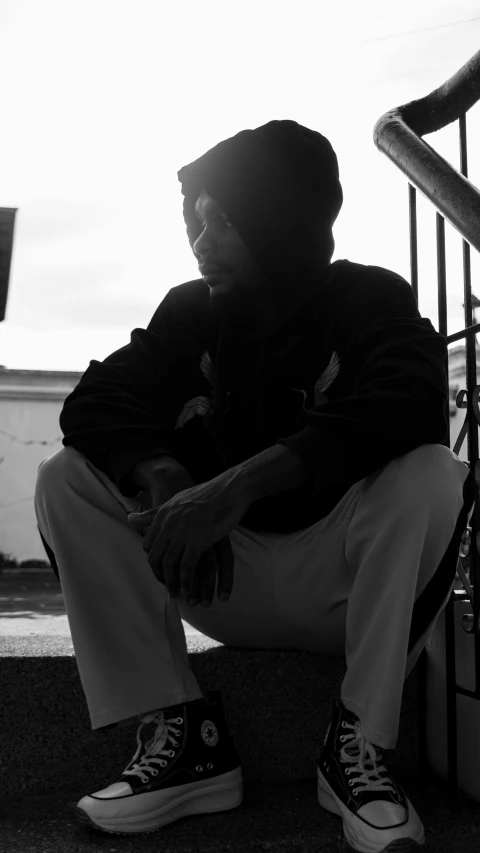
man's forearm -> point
(276, 469)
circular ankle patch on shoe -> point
(209, 733)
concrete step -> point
(277, 703)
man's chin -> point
(219, 285)
(216, 278)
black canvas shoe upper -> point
(354, 769)
(180, 745)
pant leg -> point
(402, 545)
(127, 632)
(313, 580)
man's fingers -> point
(195, 577)
(226, 561)
(187, 567)
(170, 565)
(466, 543)
(192, 592)
(207, 574)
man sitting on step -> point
(272, 447)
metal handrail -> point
(397, 134)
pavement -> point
(32, 605)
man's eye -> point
(221, 219)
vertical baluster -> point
(471, 367)
(423, 765)
(412, 205)
(441, 276)
(442, 298)
(470, 341)
(449, 614)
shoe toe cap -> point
(382, 813)
(118, 789)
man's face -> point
(225, 261)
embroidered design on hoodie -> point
(204, 406)
(323, 383)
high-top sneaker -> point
(185, 764)
(354, 784)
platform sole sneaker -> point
(355, 784)
(185, 764)
(149, 812)
(354, 831)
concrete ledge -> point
(277, 704)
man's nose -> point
(203, 243)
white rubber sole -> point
(150, 811)
(368, 839)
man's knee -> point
(430, 472)
(52, 472)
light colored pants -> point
(368, 582)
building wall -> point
(30, 406)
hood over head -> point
(279, 185)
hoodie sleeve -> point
(123, 409)
(397, 361)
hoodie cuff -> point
(121, 464)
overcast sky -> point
(104, 101)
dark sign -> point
(7, 225)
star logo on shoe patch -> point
(209, 733)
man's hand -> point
(160, 478)
(219, 560)
(189, 524)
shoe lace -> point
(359, 752)
(154, 747)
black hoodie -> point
(350, 378)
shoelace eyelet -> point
(199, 768)
(210, 765)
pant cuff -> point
(122, 716)
(375, 738)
